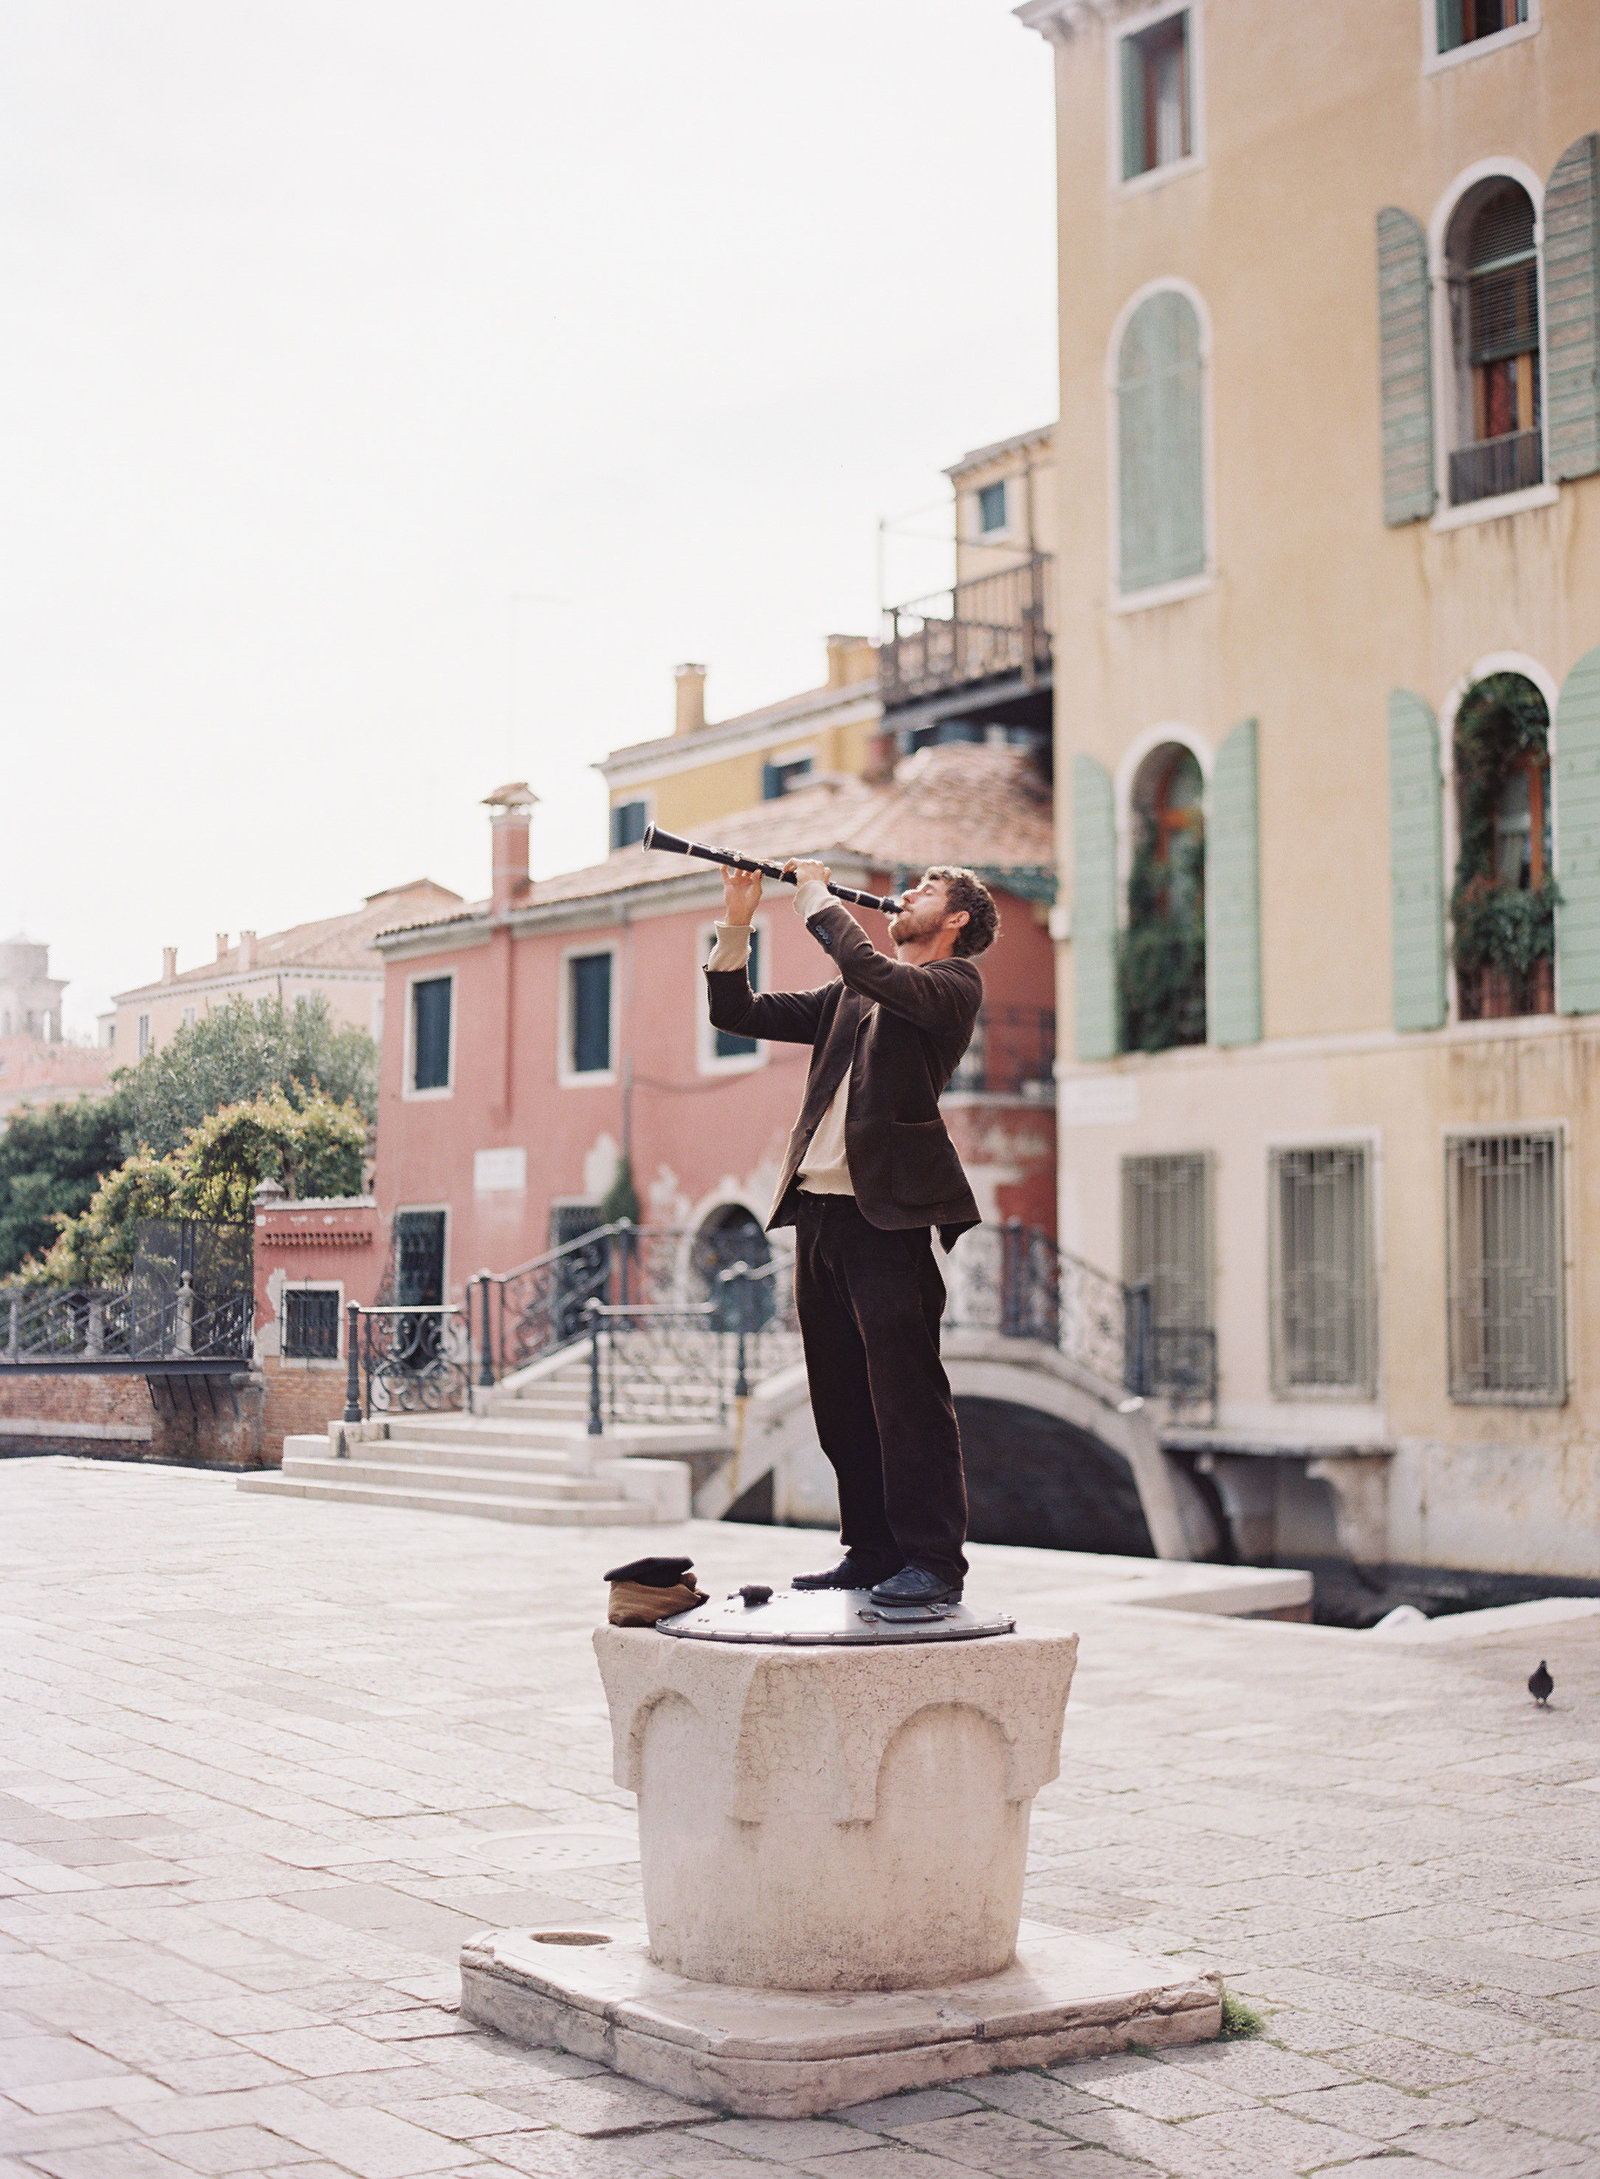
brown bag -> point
(637, 1604)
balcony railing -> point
(980, 631)
(1012, 1054)
(1494, 466)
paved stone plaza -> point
(264, 1765)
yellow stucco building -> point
(1327, 653)
(706, 769)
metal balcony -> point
(992, 628)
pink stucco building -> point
(532, 1039)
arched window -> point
(1492, 267)
(1163, 957)
(1503, 904)
(1160, 459)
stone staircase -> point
(535, 1463)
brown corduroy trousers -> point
(869, 1303)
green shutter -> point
(1577, 770)
(1416, 863)
(1572, 310)
(1132, 109)
(1094, 910)
(1448, 19)
(1160, 457)
(1405, 368)
(1233, 893)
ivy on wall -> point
(1161, 964)
(1498, 924)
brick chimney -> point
(169, 964)
(851, 659)
(510, 820)
(247, 949)
(691, 693)
(222, 944)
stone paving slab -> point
(264, 1764)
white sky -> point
(331, 329)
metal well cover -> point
(813, 1617)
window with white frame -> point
(1465, 22)
(1323, 1289)
(1507, 1301)
(783, 777)
(144, 1034)
(1161, 532)
(311, 1323)
(992, 509)
(431, 1000)
(589, 978)
(1157, 95)
(628, 820)
(1492, 284)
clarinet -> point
(669, 843)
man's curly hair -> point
(963, 889)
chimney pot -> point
(851, 659)
(169, 964)
(691, 698)
(510, 820)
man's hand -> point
(805, 872)
(741, 894)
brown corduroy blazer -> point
(900, 1029)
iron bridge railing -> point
(669, 1342)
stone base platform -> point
(595, 1991)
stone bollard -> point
(858, 1818)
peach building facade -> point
(1329, 946)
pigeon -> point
(1540, 1685)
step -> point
(551, 1513)
(463, 1453)
(504, 1484)
(487, 1430)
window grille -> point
(1506, 1300)
(1322, 1277)
(1155, 96)
(1166, 1239)
(311, 1323)
(430, 1033)
(724, 1044)
(992, 507)
(628, 821)
(589, 1012)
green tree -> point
(51, 1161)
(315, 1148)
(239, 1053)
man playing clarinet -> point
(869, 1171)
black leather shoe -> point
(915, 1585)
(850, 1573)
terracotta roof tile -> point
(961, 803)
